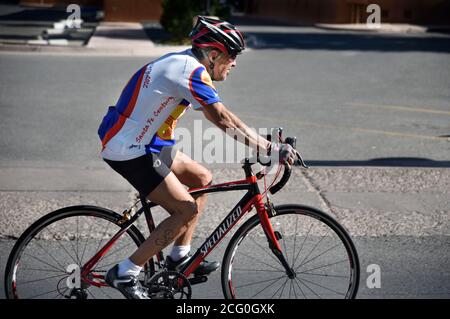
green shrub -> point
(177, 17)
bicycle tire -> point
(241, 274)
(49, 231)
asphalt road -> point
(371, 112)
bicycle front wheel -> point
(46, 261)
(317, 248)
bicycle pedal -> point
(198, 280)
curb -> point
(384, 27)
(85, 51)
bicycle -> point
(274, 254)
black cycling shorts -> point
(146, 172)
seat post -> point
(147, 213)
(150, 223)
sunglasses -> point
(233, 55)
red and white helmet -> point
(210, 32)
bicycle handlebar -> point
(287, 168)
(266, 161)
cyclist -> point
(137, 136)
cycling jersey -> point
(146, 114)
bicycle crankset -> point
(169, 285)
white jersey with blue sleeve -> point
(154, 99)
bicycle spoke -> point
(102, 237)
(44, 293)
(266, 251)
(41, 279)
(301, 290)
(45, 270)
(282, 285)
(105, 257)
(259, 282)
(62, 246)
(89, 292)
(311, 282)
(301, 281)
(303, 243)
(266, 287)
(75, 248)
(106, 266)
(335, 263)
(262, 262)
(38, 259)
(51, 256)
(325, 275)
(292, 288)
(316, 257)
(295, 242)
(316, 245)
(87, 239)
(78, 240)
(265, 270)
(60, 294)
(71, 243)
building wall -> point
(132, 10)
(351, 11)
(96, 3)
(115, 10)
(296, 11)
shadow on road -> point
(348, 41)
(29, 14)
(384, 162)
(308, 37)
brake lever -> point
(300, 162)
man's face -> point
(223, 65)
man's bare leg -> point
(174, 198)
(193, 175)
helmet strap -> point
(211, 67)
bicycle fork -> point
(272, 236)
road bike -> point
(288, 251)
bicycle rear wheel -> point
(316, 247)
(46, 260)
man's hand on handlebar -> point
(286, 153)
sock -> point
(179, 252)
(127, 268)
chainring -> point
(169, 285)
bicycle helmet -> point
(210, 32)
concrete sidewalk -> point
(109, 38)
(48, 30)
(126, 38)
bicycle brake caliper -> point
(126, 216)
(270, 209)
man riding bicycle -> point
(137, 136)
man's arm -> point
(223, 118)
